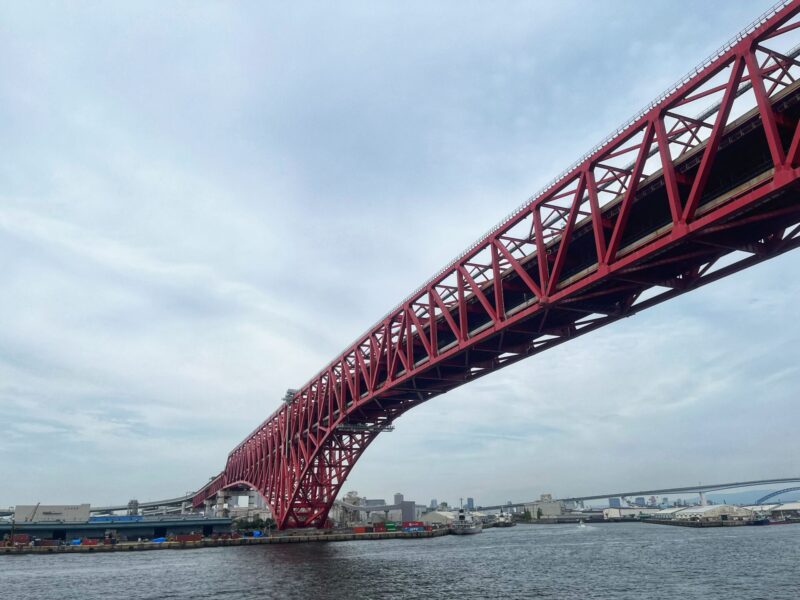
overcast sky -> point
(203, 203)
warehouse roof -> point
(669, 511)
(713, 508)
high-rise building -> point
(470, 504)
(639, 501)
(398, 498)
(614, 503)
(407, 510)
(434, 503)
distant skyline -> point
(202, 204)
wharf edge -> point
(210, 543)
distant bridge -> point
(171, 502)
(100, 510)
(712, 487)
(764, 499)
(182, 501)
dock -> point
(292, 538)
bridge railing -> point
(701, 66)
(361, 366)
(707, 65)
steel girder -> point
(701, 184)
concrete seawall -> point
(212, 543)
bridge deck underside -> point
(672, 203)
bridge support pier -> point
(221, 509)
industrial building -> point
(714, 512)
(785, 510)
(628, 513)
(667, 513)
(41, 513)
(545, 508)
(67, 522)
(445, 517)
(120, 528)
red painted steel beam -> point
(576, 257)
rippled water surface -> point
(619, 561)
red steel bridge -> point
(700, 184)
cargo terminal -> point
(68, 522)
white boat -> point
(581, 523)
(504, 520)
(465, 524)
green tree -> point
(255, 523)
(538, 513)
(526, 516)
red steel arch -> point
(702, 183)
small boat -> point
(465, 524)
(759, 518)
(782, 520)
(581, 523)
(504, 520)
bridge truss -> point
(699, 185)
(763, 499)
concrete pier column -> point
(221, 509)
(703, 501)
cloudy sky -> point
(203, 203)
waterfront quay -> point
(215, 542)
(122, 528)
(710, 523)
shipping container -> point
(359, 529)
(21, 538)
(188, 537)
(413, 524)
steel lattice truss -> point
(701, 184)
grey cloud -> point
(201, 204)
